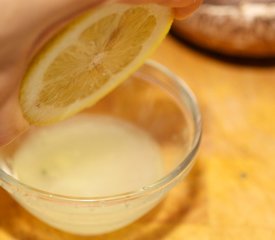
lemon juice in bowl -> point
(110, 164)
(89, 156)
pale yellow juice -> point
(89, 156)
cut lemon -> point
(90, 57)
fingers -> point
(181, 8)
(177, 3)
(181, 13)
(169, 3)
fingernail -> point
(182, 3)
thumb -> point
(12, 122)
(38, 21)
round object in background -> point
(232, 27)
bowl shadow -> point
(180, 206)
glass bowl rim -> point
(156, 186)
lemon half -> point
(89, 58)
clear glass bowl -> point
(156, 101)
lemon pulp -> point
(89, 58)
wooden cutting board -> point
(230, 193)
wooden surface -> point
(230, 193)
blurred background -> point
(232, 27)
(225, 52)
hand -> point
(24, 29)
(181, 8)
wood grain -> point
(230, 193)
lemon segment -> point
(90, 57)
